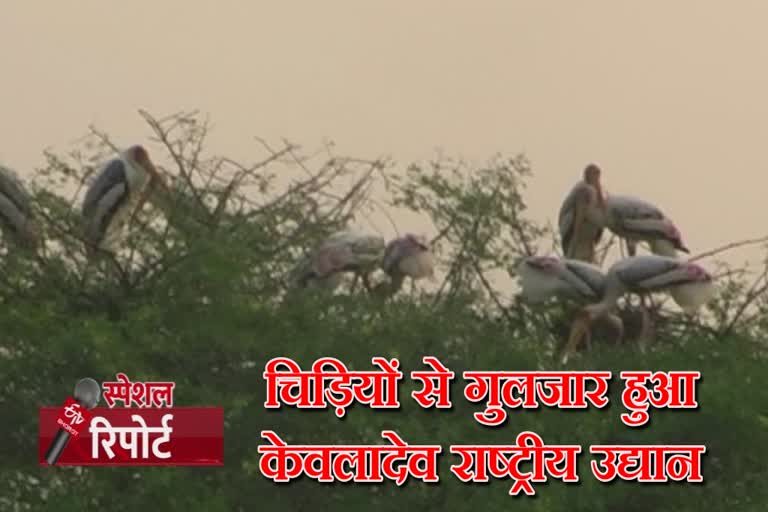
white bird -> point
(543, 277)
(630, 218)
(340, 253)
(406, 256)
(16, 214)
(636, 220)
(409, 255)
(579, 236)
(689, 284)
(119, 191)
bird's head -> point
(410, 255)
(139, 156)
(592, 174)
(592, 177)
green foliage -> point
(199, 297)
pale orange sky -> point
(668, 97)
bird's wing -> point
(333, 258)
(648, 227)
(540, 281)
(103, 211)
(630, 208)
(636, 272)
(567, 215)
(368, 250)
(11, 215)
(588, 279)
(113, 174)
(538, 285)
(11, 187)
(643, 220)
(581, 192)
(346, 236)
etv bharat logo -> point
(153, 433)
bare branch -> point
(728, 247)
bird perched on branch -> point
(630, 218)
(543, 277)
(118, 192)
(341, 253)
(689, 284)
(17, 217)
(636, 220)
(406, 256)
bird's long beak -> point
(579, 328)
(156, 182)
(600, 196)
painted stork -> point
(579, 236)
(16, 214)
(630, 218)
(406, 256)
(342, 252)
(118, 192)
(689, 284)
(636, 220)
(542, 277)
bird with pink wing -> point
(587, 211)
(407, 256)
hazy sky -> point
(668, 97)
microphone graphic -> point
(87, 394)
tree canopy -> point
(202, 296)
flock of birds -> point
(584, 216)
(124, 184)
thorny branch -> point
(475, 219)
